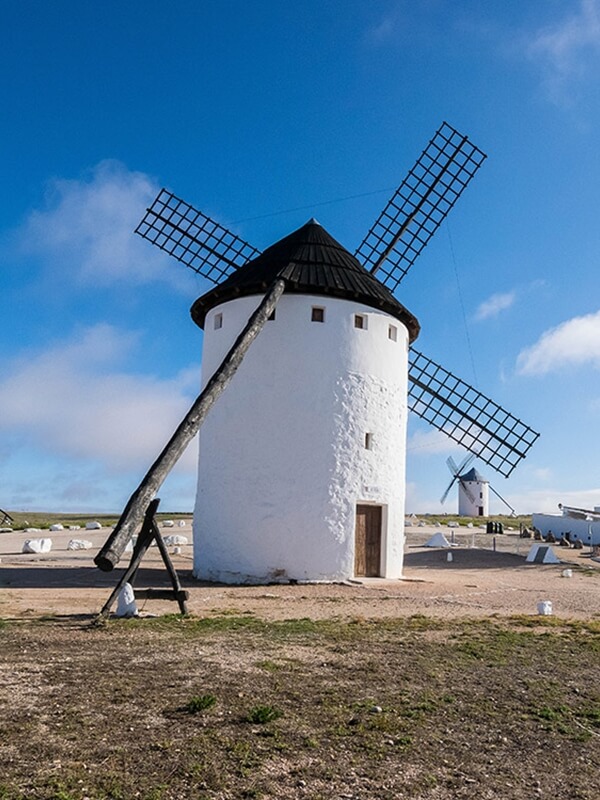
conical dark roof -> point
(473, 475)
(311, 262)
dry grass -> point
(413, 708)
(44, 519)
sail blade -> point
(467, 491)
(466, 415)
(193, 238)
(447, 492)
(419, 205)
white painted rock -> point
(175, 539)
(56, 527)
(93, 526)
(181, 523)
(33, 530)
(74, 527)
(168, 523)
(37, 546)
(79, 544)
(567, 573)
(126, 605)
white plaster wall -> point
(588, 532)
(466, 508)
(282, 461)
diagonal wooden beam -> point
(113, 548)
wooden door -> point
(367, 542)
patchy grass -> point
(260, 715)
(200, 703)
(413, 708)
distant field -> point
(507, 521)
(44, 519)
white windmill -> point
(302, 459)
(473, 489)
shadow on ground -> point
(54, 577)
(462, 559)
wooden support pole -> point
(149, 533)
(113, 548)
(163, 594)
(178, 593)
(5, 517)
(144, 541)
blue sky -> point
(264, 114)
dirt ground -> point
(445, 685)
(477, 582)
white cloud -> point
(494, 305)
(85, 229)
(70, 400)
(562, 49)
(573, 343)
(547, 500)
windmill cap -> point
(473, 475)
(311, 262)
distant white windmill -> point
(473, 489)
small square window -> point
(368, 441)
(393, 333)
(218, 321)
(317, 314)
(360, 321)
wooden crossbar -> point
(148, 534)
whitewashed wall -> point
(588, 532)
(282, 460)
(480, 491)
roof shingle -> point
(311, 262)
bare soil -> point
(446, 684)
(232, 706)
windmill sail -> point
(466, 415)
(419, 205)
(447, 492)
(456, 473)
(193, 238)
(465, 487)
(390, 248)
